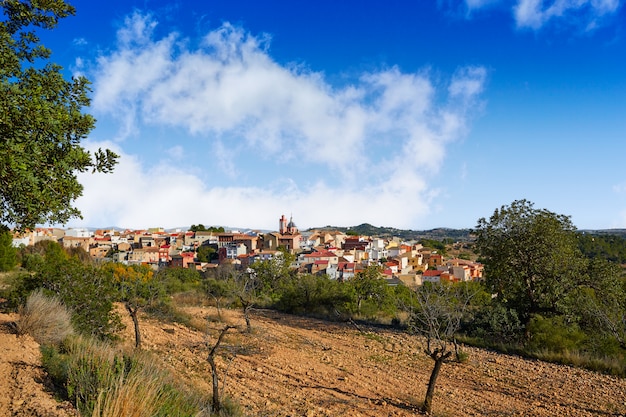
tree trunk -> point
(216, 385)
(133, 314)
(430, 392)
(246, 315)
(215, 381)
(219, 309)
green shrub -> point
(176, 280)
(312, 294)
(16, 288)
(553, 334)
(85, 289)
(92, 366)
(56, 365)
(90, 294)
(494, 324)
(462, 356)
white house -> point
(77, 232)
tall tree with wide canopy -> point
(41, 121)
(531, 257)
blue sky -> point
(411, 114)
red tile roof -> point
(321, 254)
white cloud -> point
(371, 147)
(137, 30)
(78, 68)
(468, 82)
(80, 42)
(176, 152)
(139, 196)
(534, 14)
(619, 188)
(479, 4)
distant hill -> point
(604, 232)
(440, 234)
(366, 229)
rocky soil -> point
(291, 366)
(24, 389)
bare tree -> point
(217, 405)
(438, 318)
(245, 288)
(218, 305)
(242, 286)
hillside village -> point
(333, 253)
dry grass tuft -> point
(134, 395)
(107, 382)
(190, 299)
(45, 318)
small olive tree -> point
(440, 308)
(136, 287)
(245, 287)
(215, 380)
(240, 286)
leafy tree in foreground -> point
(41, 121)
(8, 253)
(531, 258)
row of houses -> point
(332, 253)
